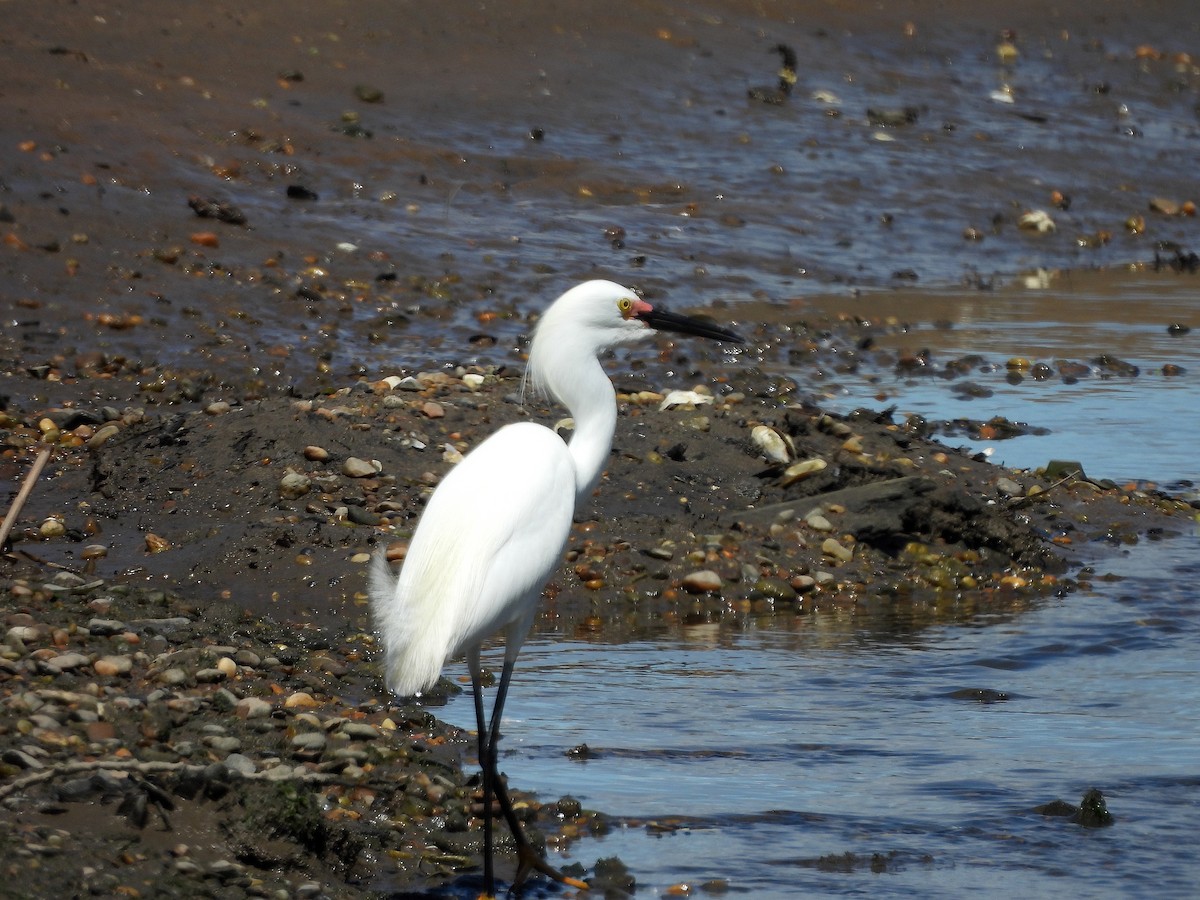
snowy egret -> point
(495, 529)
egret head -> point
(596, 316)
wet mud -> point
(222, 230)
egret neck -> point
(578, 382)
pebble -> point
(309, 740)
(832, 548)
(354, 467)
(105, 627)
(240, 763)
(1009, 488)
(316, 454)
(252, 708)
(156, 543)
(703, 581)
(300, 700)
(359, 731)
(818, 522)
(67, 661)
(52, 527)
(294, 485)
(113, 665)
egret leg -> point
(485, 753)
(528, 859)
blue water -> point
(1123, 427)
(768, 750)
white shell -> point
(772, 444)
(684, 398)
(803, 469)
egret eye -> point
(625, 305)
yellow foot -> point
(528, 860)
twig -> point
(31, 478)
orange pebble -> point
(205, 239)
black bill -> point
(663, 320)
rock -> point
(294, 485)
(703, 581)
(359, 731)
(239, 763)
(68, 661)
(300, 700)
(113, 665)
(818, 522)
(309, 740)
(1009, 488)
(252, 708)
(831, 548)
(354, 467)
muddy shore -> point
(190, 703)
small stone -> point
(113, 665)
(300, 700)
(831, 548)
(309, 740)
(68, 661)
(354, 467)
(227, 666)
(252, 708)
(172, 677)
(156, 544)
(103, 434)
(359, 731)
(52, 528)
(240, 763)
(217, 408)
(93, 551)
(293, 485)
(433, 410)
(210, 676)
(1164, 206)
(1008, 487)
(818, 522)
(703, 581)
(316, 454)
(803, 583)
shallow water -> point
(1117, 426)
(768, 755)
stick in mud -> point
(31, 478)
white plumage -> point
(494, 530)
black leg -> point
(485, 754)
(528, 858)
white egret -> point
(495, 529)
